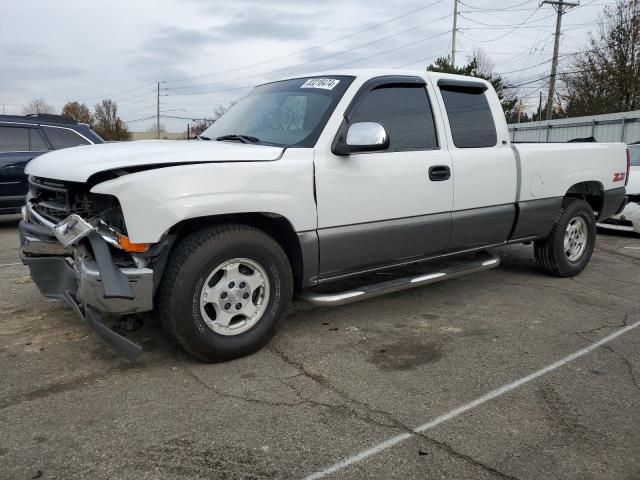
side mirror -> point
(362, 137)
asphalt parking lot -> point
(348, 385)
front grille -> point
(56, 200)
(50, 198)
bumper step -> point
(483, 261)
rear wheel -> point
(224, 291)
(568, 249)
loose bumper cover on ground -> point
(91, 283)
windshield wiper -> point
(242, 138)
(202, 137)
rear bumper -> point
(73, 275)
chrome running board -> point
(486, 262)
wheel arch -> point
(590, 191)
(276, 226)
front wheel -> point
(568, 249)
(224, 291)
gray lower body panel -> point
(481, 226)
(612, 203)
(358, 247)
(355, 249)
(536, 217)
(310, 251)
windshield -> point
(287, 113)
(634, 153)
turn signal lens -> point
(131, 247)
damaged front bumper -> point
(86, 277)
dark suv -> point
(25, 137)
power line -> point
(335, 54)
(498, 26)
(115, 94)
(419, 60)
(309, 48)
(334, 67)
(507, 8)
(510, 31)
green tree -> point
(481, 67)
(107, 122)
(606, 78)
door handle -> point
(439, 173)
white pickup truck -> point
(300, 185)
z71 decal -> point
(619, 176)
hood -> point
(77, 164)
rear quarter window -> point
(470, 117)
(64, 137)
(37, 141)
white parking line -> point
(633, 248)
(10, 264)
(390, 442)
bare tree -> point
(199, 126)
(37, 105)
(78, 111)
(606, 78)
(154, 129)
(484, 65)
(107, 122)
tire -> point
(550, 252)
(201, 267)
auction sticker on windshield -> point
(324, 83)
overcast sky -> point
(208, 52)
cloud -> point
(68, 54)
(247, 27)
(166, 50)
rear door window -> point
(470, 117)
(14, 139)
(64, 137)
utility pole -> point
(158, 113)
(561, 7)
(454, 30)
(520, 110)
(540, 108)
